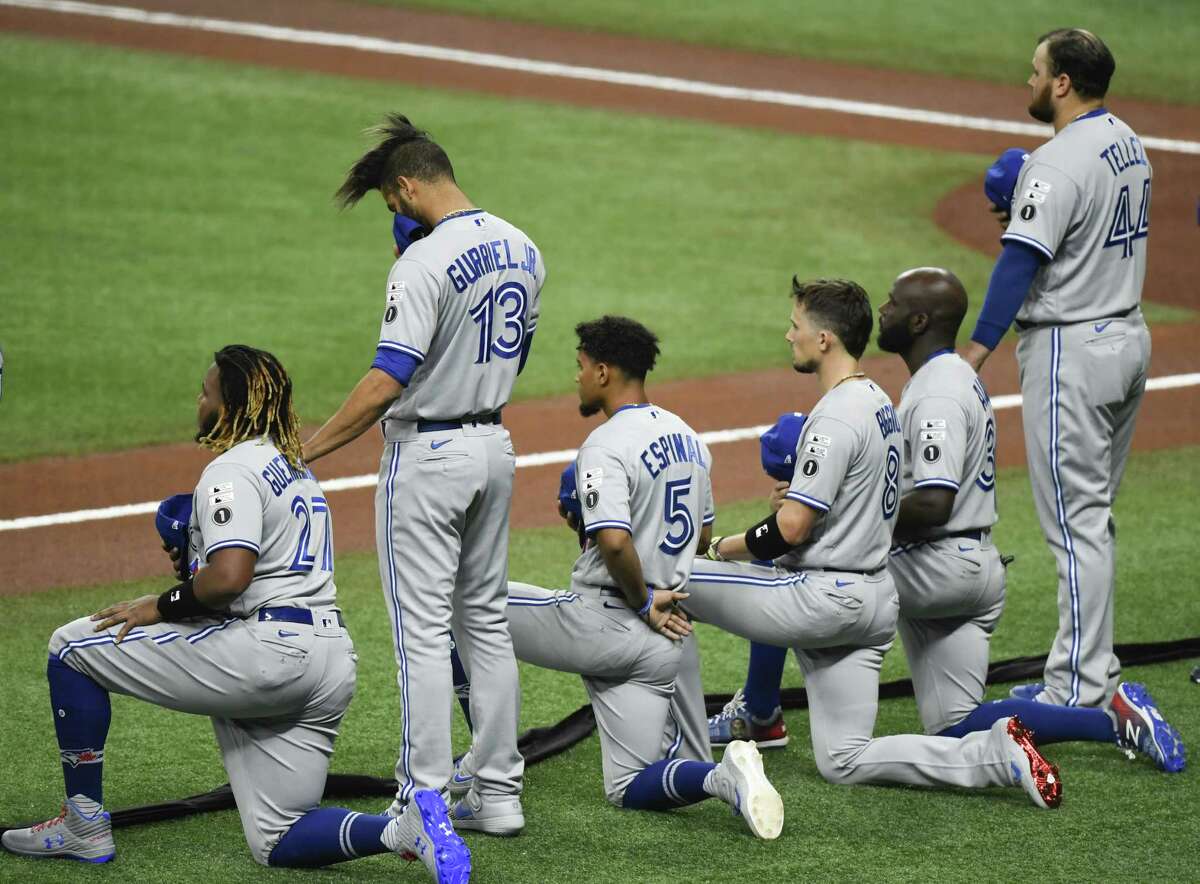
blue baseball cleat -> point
(1027, 691)
(735, 722)
(1141, 726)
(423, 831)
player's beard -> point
(587, 409)
(809, 367)
(1041, 108)
(893, 338)
(208, 424)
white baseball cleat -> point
(423, 831)
(462, 779)
(1029, 768)
(740, 782)
(498, 815)
(83, 831)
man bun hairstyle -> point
(403, 150)
(257, 401)
(838, 306)
(619, 341)
(1083, 57)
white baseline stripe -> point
(566, 71)
(539, 459)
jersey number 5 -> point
(512, 299)
(303, 560)
(682, 528)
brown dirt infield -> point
(122, 549)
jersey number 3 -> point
(675, 511)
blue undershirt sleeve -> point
(399, 365)
(526, 346)
(1011, 278)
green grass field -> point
(1139, 818)
(1153, 42)
(161, 207)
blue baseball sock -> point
(668, 783)
(329, 835)
(763, 677)
(1049, 723)
(82, 714)
(462, 684)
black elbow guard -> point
(764, 540)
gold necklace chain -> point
(857, 374)
(450, 215)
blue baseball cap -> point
(779, 445)
(172, 519)
(1001, 178)
(406, 231)
(568, 494)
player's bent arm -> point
(621, 558)
(226, 576)
(776, 535)
(922, 509)
(364, 406)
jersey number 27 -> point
(304, 560)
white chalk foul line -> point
(539, 459)
(566, 71)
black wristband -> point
(764, 540)
(179, 602)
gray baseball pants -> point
(1081, 386)
(628, 671)
(840, 624)
(951, 594)
(441, 521)
(276, 698)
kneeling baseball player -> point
(828, 594)
(949, 576)
(252, 638)
(643, 482)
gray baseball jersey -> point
(841, 621)
(251, 498)
(848, 469)
(462, 302)
(275, 685)
(950, 440)
(951, 588)
(646, 471)
(1083, 200)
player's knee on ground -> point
(615, 791)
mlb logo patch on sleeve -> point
(1039, 184)
(220, 499)
(819, 439)
(933, 436)
(933, 424)
(220, 489)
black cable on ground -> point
(540, 743)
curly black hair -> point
(619, 341)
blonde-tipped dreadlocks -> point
(257, 401)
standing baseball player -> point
(1071, 275)
(646, 504)
(253, 639)
(461, 307)
(828, 594)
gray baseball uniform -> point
(462, 302)
(277, 671)
(1083, 201)
(644, 471)
(833, 601)
(950, 580)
